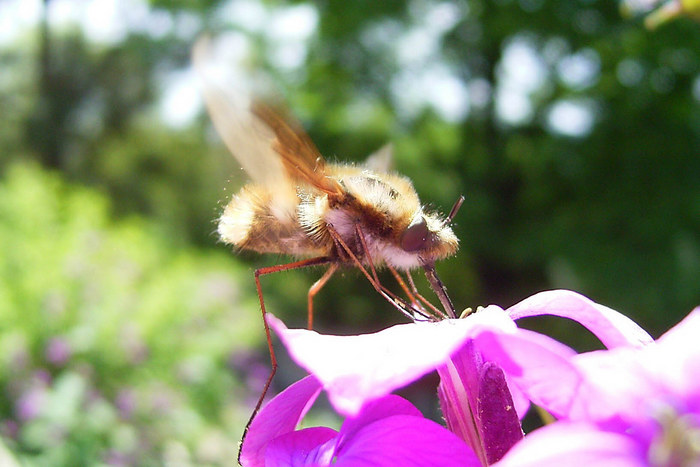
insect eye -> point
(415, 236)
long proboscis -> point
(439, 289)
(435, 282)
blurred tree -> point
(577, 190)
(116, 342)
(571, 131)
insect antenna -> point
(412, 295)
(420, 297)
(455, 208)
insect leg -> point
(417, 300)
(424, 300)
(361, 236)
(318, 285)
(396, 301)
(415, 306)
(273, 358)
(411, 296)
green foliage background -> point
(129, 334)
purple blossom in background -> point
(9, 428)
(125, 402)
(625, 406)
(252, 370)
(33, 399)
(58, 351)
(30, 404)
(481, 403)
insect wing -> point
(272, 149)
(248, 138)
(299, 155)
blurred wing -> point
(272, 150)
(299, 155)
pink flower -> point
(630, 405)
(480, 403)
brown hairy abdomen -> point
(268, 235)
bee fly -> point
(332, 214)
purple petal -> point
(301, 448)
(612, 328)
(539, 366)
(355, 369)
(679, 359)
(632, 382)
(378, 409)
(616, 385)
(500, 425)
(627, 386)
(684, 333)
(405, 440)
(612, 386)
(458, 395)
(281, 415)
(477, 405)
(574, 445)
(458, 392)
(520, 400)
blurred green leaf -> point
(94, 311)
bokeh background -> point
(130, 336)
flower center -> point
(678, 442)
